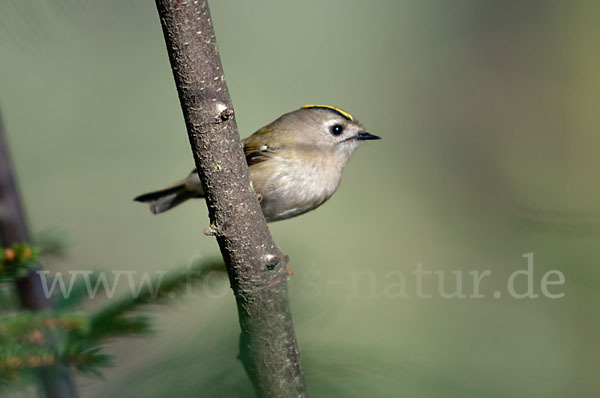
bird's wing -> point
(256, 148)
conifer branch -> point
(115, 319)
(14, 230)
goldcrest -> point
(295, 163)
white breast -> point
(292, 188)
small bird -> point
(295, 163)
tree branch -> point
(13, 229)
(256, 266)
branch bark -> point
(55, 379)
(256, 266)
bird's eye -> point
(336, 129)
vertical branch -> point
(256, 266)
(13, 229)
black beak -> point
(363, 136)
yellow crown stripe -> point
(333, 108)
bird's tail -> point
(167, 198)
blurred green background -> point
(489, 114)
